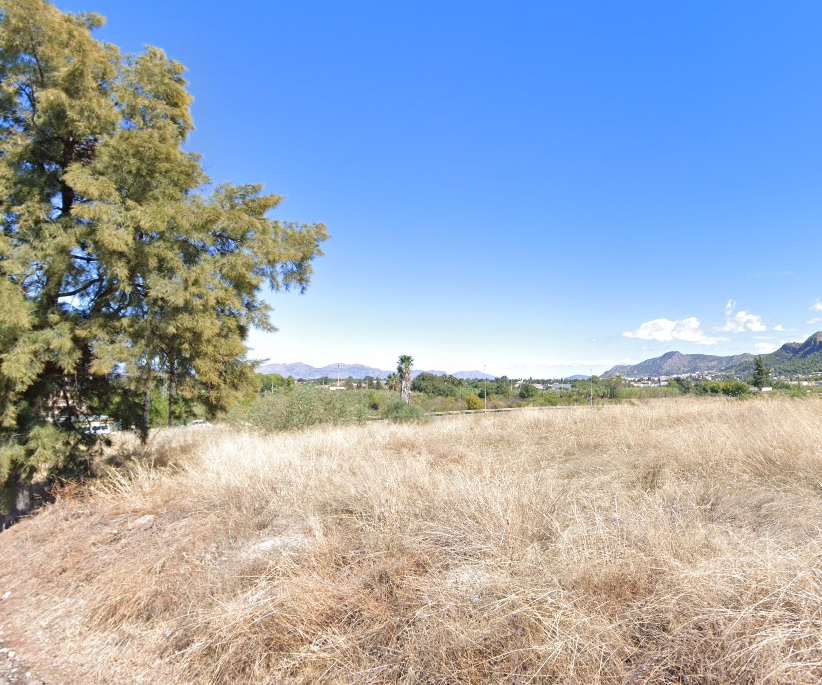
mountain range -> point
(791, 358)
(307, 372)
(676, 363)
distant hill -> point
(471, 375)
(358, 371)
(676, 363)
(300, 370)
(791, 358)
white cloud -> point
(816, 306)
(665, 330)
(813, 321)
(779, 327)
(744, 321)
(764, 348)
(741, 321)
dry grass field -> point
(675, 541)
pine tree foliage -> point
(117, 270)
(759, 379)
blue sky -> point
(538, 188)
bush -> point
(399, 411)
(303, 407)
(734, 388)
(474, 403)
(728, 388)
(548, 399)
(432, 404)
(527, 391)
(443, 386)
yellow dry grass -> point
(669, 542)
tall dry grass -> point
(669, 542)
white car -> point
(197, 423)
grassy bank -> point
(667, 542)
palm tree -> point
(404, 369)
(393, 382)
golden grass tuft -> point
(668, 542)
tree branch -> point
(77, 291)
(83, 258)
(36, 56)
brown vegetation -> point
(669, 542)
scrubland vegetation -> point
(672, 541)
(282, 404)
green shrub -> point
(302, 407)
(548, 399)
(431, 404)
(527, 391)
(734, 388)
(397, 410)
(474, 403)
(373, 401)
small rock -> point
(143, 521)
(285, 542)
(11, 654)
(5, 596)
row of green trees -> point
(282, 405)
(271, 382)
(503, 388)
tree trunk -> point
(146, 416)
(171, 395)
(406, 388)
(23, 497)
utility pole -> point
(485, 389)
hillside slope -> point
(790, 359)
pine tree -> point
(759, 379)
(116, 272)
